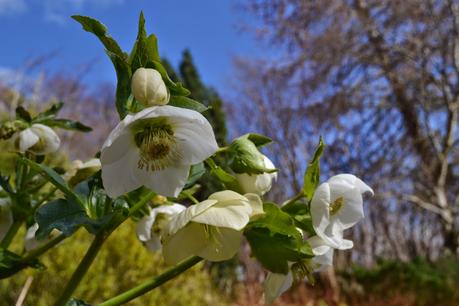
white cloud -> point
(59, 10)
(12, 6)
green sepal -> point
(259, 140)
(312, 174)
(50, 112)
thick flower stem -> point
(10, 234)
(81, 269)
(152, 283)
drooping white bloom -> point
(258, 183)
(148, 87)
(149, 227)
(211, 229)
(323, 253)
(6, 217)
(155, 148)
(338, 205)
(38, 139)
(275, 284)
(31, 243)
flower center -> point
(336, 205)
(158, 147)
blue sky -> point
(209, 28)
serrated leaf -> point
(276, 221)
(299, 211)
(312, 174)
(97, 28)
(259, 140)
(67, 124)
(176, 89)
(123, 85)
(185, 102)
(274, 252)
(139, 55)
(227, 179)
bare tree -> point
(379, 79)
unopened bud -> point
(148, 87)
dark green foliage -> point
(424, 282)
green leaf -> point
(312, 174)
(23, 114)
(145, 48)
(227, 179)
(196, 172)
(10, 263)
(54, 179)
(185, 102)
(276, 221)
(275, 251)
(259, 140)
(97, 28)
(50, 112)
(299, 211)
(123, 85)
(245, 157)
(67, 125)
(176, 89)
(75, 302)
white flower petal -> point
(115, 149)
(320, 208)
(48, 136)
(119, 177)
(222, 245)
(168, 182)
(351, 180)
(27, 138)
(230, 214)
(186, 242)
(30, 242)
(181, 219)
(143, 228)
(275, 284)
(257, 183)
(256, 204)
(352, 210)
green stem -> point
(10, 234)
(42, 249)
(141, 203)
(297, 197)
(81, 269)
(152, 283)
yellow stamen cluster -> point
(158, 149)
(336, 205)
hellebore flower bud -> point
(148, 87)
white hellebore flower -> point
(211, 229)
(338, 205)
(6, 217)
(149, 227)
(31, 243)
(148, 87)
(258, 183)
(38, 139)
(155, 148)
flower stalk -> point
(152, 283)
